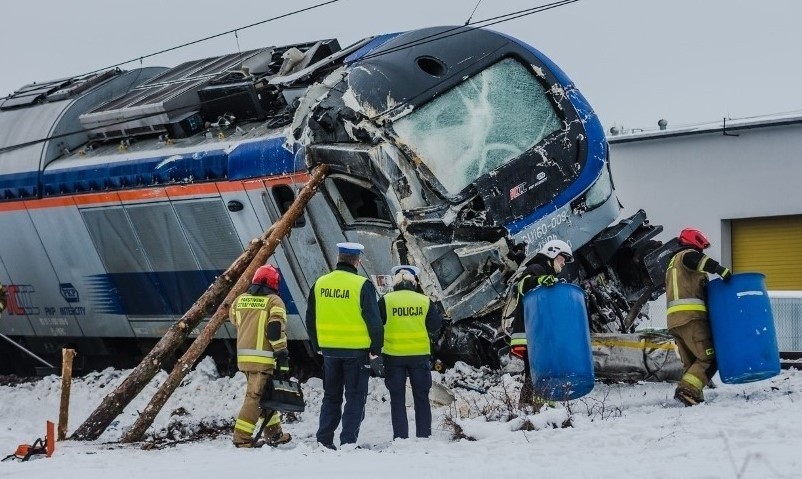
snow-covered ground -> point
(621, 430)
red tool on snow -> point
(44, 446)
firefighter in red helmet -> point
(686, 296)
(261, 321)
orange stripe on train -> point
(152, 193)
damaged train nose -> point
(473, 173)
(452, 149)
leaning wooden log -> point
(116, 401)
(66, 384)
(183, 366)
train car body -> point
(458, 150)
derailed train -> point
(459, 150)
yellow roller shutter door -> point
(772, 246)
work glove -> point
(726, 275)
(518, 253)
(519, 351)
(377, 366)
(546, 280)
(282, 362)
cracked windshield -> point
(467, 131)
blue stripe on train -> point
(162, 293)
(378, 41)
(19, 185)
(263, 158)
(161, 170)
(252, 159)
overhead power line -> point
(210, 37)
(472, 12)
(411, 44)
(469, 27)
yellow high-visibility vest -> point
(338, 313)
(405, 332)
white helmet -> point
(405, 273)
(557, 247)
(404, 276)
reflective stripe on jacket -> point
(251, 315)
(405, 333)
(540, 266)
(338, 312)
(518, 339)
(686, 295)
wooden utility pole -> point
(66, 384)
(116, 401)
(184, 365)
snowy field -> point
(621, 430)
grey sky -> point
(688, 61)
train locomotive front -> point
(456, 149)
(484, 150)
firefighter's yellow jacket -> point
(254, 316)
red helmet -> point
(693, 238)
(267, 274)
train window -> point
(358, 204)
(210, 232)
(115, 240)
(481, 124)
(284, 196)
(447, 268)
(599, 191)
(161, 237)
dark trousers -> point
(396, 371)
(351, 375)
(527, 389)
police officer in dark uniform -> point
(410, 320)
(342, 318)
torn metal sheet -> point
(641, 356)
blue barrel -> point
(558, 342)
(743, 328)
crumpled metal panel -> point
(641, 356)
(162, 98)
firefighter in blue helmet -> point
(686, 296)
(342, 319)
(541, 270)
(410, 320)
(261, 321)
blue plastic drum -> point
(558, 342)
(743, 329)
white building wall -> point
(705, 180)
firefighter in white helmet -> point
(541, 270)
